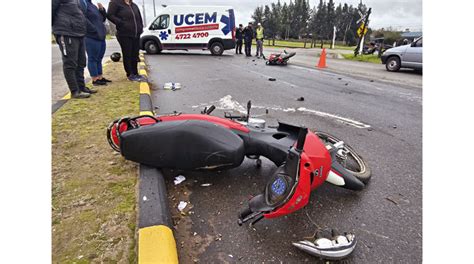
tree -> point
(276, 23)
(285, 22)
(257, 15)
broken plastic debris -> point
(300, 99)
(231, 256)
(172, 86)
(144, 198)
(182, 205)
(179, 179)
(206, 184)
(272, 79)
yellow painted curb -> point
(67, 96)
(150, 113)
(142, 64)
(143, 72)
(156, 244)
(144, 88)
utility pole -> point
(154, 9)
(361, 40)
(144, 13)
(333, 37)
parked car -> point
(191, 27)
(406, 56)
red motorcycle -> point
(279, 58)
(305, 159)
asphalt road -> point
(381, 120)
(59, 85)
(335, 63)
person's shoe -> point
(80, 95)
(105, 80)
(99, 82)
(87, 90)
(142, 77)
(134, 78)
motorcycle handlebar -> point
(244, 214)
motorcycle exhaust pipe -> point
(337, 248)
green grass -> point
(364, 58)
(93, 188)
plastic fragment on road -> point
(272, 79)
(172, 86)
(179, 179)
(182, 205)
(206, 184)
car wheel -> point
(152, 47)
(393, 64)
(217, 49)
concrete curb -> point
(146, 105)
(156, 243)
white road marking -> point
(226, 103)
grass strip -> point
(365, 58)
(93, 188)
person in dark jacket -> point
(239, 36)
(69, 28)
(248, 36)
(128, 21)
(95, 41)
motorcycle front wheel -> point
(351, 161)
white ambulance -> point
(180, 27)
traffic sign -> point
(362, 27)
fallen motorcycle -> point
(279, 58)
(305, 159)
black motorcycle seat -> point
(183, 145)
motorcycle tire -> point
(364, 173)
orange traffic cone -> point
(322, 59)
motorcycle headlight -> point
(278, 189)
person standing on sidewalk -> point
(69, 28)
(95, 42)
(239, 37)
(248, 36)
(259, 39)
(128, 21)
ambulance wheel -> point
(152, 47)
(217, 49)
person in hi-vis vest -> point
(259, 38)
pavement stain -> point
(93, 190)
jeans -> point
(238, 47)
(95, 53)
(130, 51)
(259, 47)
(74, 61)
(248, 47)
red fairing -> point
(315, 160)
(146, 121)
(214, 119)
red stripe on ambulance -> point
(205, 27)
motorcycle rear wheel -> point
(354, 163)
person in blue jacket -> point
(95, 42)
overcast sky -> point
(399, 14)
